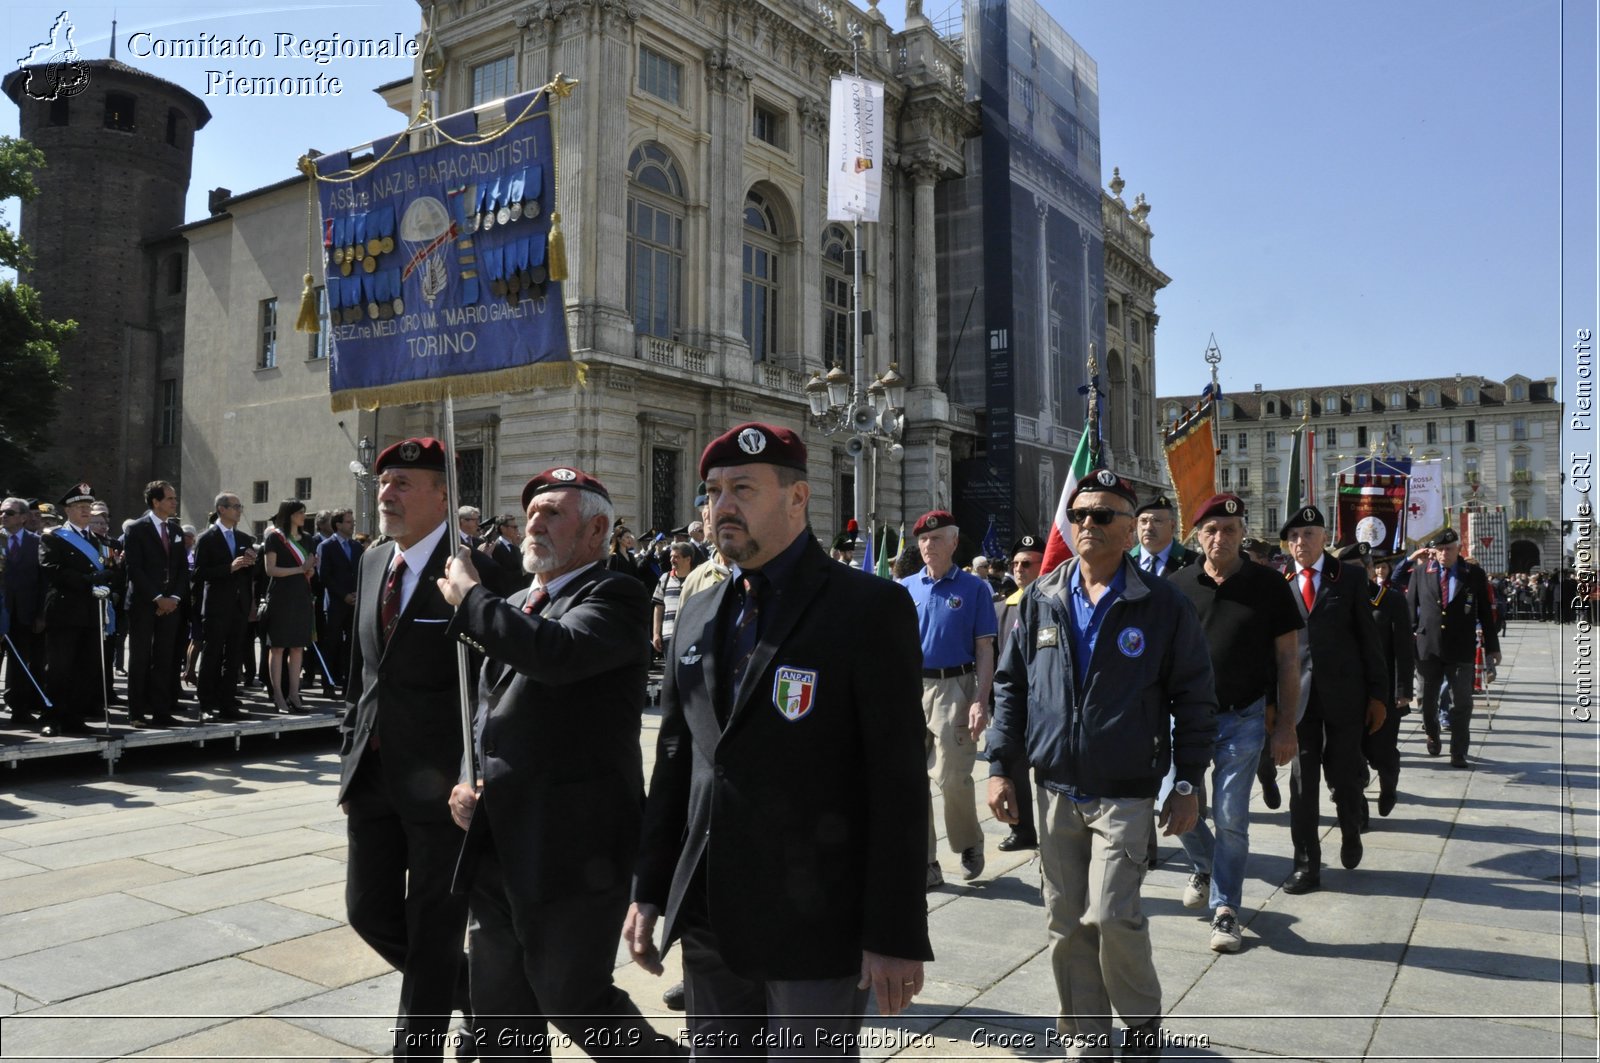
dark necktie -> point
(746, 630)
(389, 608)
(166, 543)
(1444, 587)
(535, 601)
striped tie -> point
(389, 608)
(535, 601)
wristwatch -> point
(1183, 788)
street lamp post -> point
(361, 469)
(872, 415)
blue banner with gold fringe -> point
(439, 262)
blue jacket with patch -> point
(1150, 698)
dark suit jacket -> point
(1345, 662)
(557, 733)
(154, 571)
(1394, 637)
(219, 592)
(24, 580)
(1178, 557)
(70, 579)
(818, 846)
(1450, 637)
(338, 575)
(407, 691)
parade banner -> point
(1425, 500)
(1371, 510)
(439, 263)
(1192, 463)
(855, 149)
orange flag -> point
(1192, 463)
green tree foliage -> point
(30, 360)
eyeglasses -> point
(1099, 514)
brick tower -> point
(118, 145)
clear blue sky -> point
(1345, 191)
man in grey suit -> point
(401, 751)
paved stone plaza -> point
(191, 906)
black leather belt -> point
(948, 673)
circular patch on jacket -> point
(1131, 642)
(955, 601)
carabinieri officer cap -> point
(78, 493)
(561, 478)
(753, 443)
(1107, 481)
(1304, 517)
(423, 452)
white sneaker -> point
(1197, 894)
(1225, 936)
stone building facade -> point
(117, 164)
(1499, 442)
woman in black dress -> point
(290, 563)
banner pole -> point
(452, 500)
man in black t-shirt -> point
(1250, 621)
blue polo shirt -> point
(1087, 617)
(953, 613)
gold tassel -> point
(558, 249)
(307, 321)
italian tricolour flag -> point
(1056, 547)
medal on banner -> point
(366, 245)
(352, 299)
(493, 262)
(537, 273)
(370, 294)
(465, 255)
(374, 242)
(397, 305)
(502, 215)
(516, 252)
(358, 237)
(476, 193)
(335, 302)
(517, 184)
(492, 206)
(380, 289)
(532, 189)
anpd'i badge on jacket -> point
(794, 691)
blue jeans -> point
(1240, 736)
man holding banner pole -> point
(402, 751)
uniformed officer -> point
(1381, 747)
(955, 612)
(1342, 682)
(1447, 602)
(78, 584)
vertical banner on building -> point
(1424, 500)
(855, 149)
(439, 262)
(1192, 463)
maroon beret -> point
(421, 453)
(1107, 481)
(561, 478)
(933, 520)
(1223, 505)
(748, 444)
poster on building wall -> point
(438, 263)
(855, 149)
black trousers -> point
(1381, 749)
(1330, 744)
(397, 895)
(1435, 672)
(221, 658)
(23, 700)
(74, 681)
(154, 653)
(542, 963)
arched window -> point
(837, 268)
(1430, 397)
(1397, 399)
(761, 282)
(655, 241)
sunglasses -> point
(1099, 514)
(13, 513)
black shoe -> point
(1386, 800)
(1433, 747)
(162, 719)
(673, 998)
(1142, 1041)
(296, 708)
(1018, 839)
(231, 712)
(1350, 850)
(1304, 880)
(1458, 760)
(1366, 815)
(1270, 792)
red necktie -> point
(1307, 593)
(1444, 587)
(389, 608)
(535, 601)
